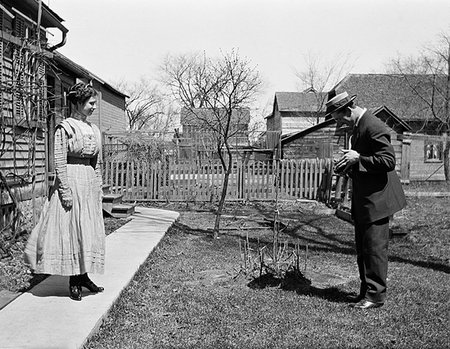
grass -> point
(432, 186)
(190, 294)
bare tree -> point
(164, 122)
(186, 75)
(216, 92)
(144, 105)
(428, 77)
(318, 75)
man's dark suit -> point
(377, 194)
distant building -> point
(197, 140)
(296, 111)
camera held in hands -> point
(339, 166)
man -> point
(376, 193)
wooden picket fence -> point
(191, 181)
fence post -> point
(406, 160)
(329, 182)
(339, 184)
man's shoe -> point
(356, 299)
(366, 304)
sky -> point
(127, 40)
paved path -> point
(45, 317)
(439, 194)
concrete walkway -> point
(45, 317)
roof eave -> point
(83, 72)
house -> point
(296, 111)
(198, 140)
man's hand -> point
(347, 160)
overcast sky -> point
(126, 40)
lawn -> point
(191, 293)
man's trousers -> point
(372, 257)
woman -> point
(69, 238)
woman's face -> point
(88, 107)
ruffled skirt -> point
(70, 242)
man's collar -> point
(360, 116)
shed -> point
(296, 111)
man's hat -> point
(338, 102)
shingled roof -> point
(192, 117)
(68, 64)
(391, 90)
(297, 101)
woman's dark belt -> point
(78, 161)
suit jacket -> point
(377, 191)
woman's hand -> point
(67, 200)
(67, 203)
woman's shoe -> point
(86, 282)
(75, 288)
(75, 293)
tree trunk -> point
(222, 202)
(447, 117)
(446, 159)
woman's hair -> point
(80, 93)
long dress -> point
(71, 241)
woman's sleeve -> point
(61, 162)
(97, 161)
(97, 164)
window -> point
(433, 151)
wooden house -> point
(296, 111)
(425, 156)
